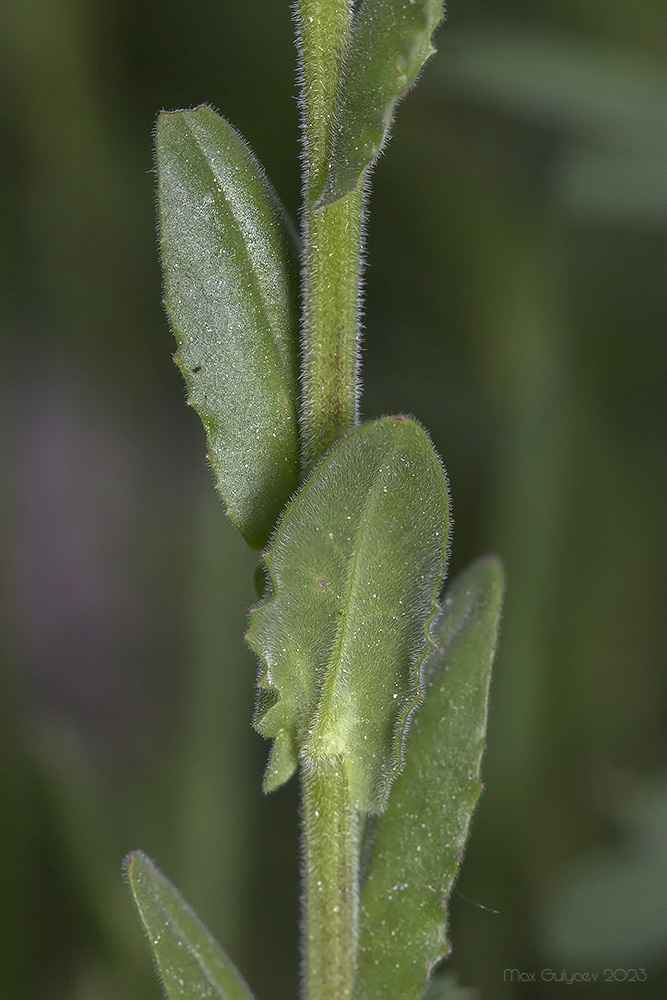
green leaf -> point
(231, 278)
(389, 44)
(418, 842)
(355, 566)
(191, 964)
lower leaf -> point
(418, 841)
(190, 963)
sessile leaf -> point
(355, 567)
(389, 44)
(231, 293)
(419, 840)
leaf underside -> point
(192, 966)
(418, 841)
(355, 567)
(389, 44)
(231, 293)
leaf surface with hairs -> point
(355, 566)
(192, 966)
(418, 842)
(231, 292)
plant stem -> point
(331, 876)
(332, 238)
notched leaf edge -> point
(284, 755)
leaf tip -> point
(132, 863)
(131, 859)
(494, 566)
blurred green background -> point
(516, 303)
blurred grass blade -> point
(418, 842)
(356, 565)
(231, 281)
(390, 42)
(610, 187)
(190, 963)
(591, 90)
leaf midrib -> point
(274, 338)
(332, 674)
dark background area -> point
(516, 303)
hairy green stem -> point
(332, 238)
(331, 878)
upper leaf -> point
(389, 44)
(355, 565)
(418, 842)
(231, 280)
(190, 963)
